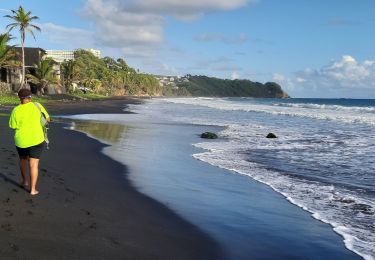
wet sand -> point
(86, 210)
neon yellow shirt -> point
(25, 119)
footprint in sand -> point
(30, 201)
(87, 213)
(8, 213)
(68, 200)
(14, 247)
(59, 181)
(114, 241)
(72, 191)
(93, 226)
(7, 227)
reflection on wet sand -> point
(108, 132)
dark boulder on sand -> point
(209, 135)
(271, 135)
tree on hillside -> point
(22, 20)
(7, 52)
(112, 76)
(44, 75)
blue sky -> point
(313, 48)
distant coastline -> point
(204, 86)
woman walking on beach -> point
(29, 136)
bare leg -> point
(33, 163)
(24, 161)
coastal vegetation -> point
(10, 99)
(106, 76)
(44, 74)
(7, 53)
(208, 86)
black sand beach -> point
(86, 210)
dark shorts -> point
(32, 151)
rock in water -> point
(209, 135)
(271, 135)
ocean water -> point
(323, 159)
(322, 162)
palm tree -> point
(7, 52)
(22, 20)
(70, 73)
(44, 75)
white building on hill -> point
(62, 55)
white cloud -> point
(345, 73)
(131, 25)
(186, 10)
(235, 75)
(287, 84)
(300, 80)
(71, 37)
(119, 28)
(278, 77)
(344, 77)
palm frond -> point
(33, 79)
(35, 27)
(11, 26)
(31, 32)
(7, 53)
(32, 18)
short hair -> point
(24, 93)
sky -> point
(312, 48)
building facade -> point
(63, 55)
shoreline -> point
(82, 212)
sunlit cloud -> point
(338, 77)
(129, 24)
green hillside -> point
(107, 76)
(208, 86)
